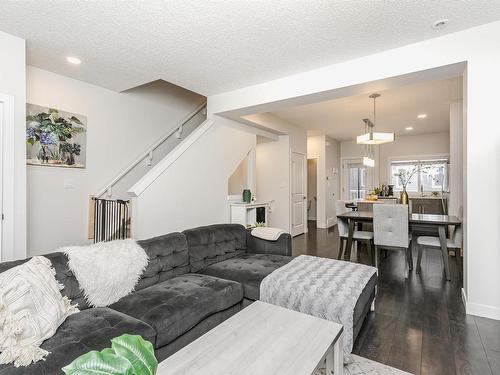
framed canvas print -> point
(55, 138)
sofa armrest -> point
(282, 246)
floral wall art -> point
(55, 138)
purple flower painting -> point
(55, 138)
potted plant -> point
(128, 355)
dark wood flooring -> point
(419, 324)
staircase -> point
(110, 208)
(189, 187)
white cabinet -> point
(248, 214)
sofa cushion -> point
(63, 275)
(91, 329)
(214, 243)
(247, 269)
(168, 258)
(175, 306)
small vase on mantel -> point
(403, 197)
(247, 196)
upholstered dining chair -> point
(358, 236)
(391, 232)
(430, 242)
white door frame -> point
(304, 181)
(7, 167)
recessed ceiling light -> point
(423, 115)
(73, 60)
(409, 128)
(439, 24)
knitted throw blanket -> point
(107, 271)
(325, 288)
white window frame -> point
(417, 159)
(370, 174)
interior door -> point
(298, 179)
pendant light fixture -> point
(368, 162)
(370, 137)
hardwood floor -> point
(419, 325)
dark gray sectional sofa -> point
(193, 282)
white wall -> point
(480, 49)
(238, 180)
(403, 147)
(274, 163)
(456, 158)
(193, 190)
(332, 190)
(272, 170)
(297, 135)
(13, 83)
(413, 145)
(120, 127)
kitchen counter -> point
(426, 197)
(428, 205)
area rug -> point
(364, 366)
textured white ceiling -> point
(215, 46)
(396, 109)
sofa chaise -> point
(194, 281)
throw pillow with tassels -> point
(31, 310)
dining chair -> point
(390, 228)
(430, 242)
(359, 236)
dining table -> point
(418, 224)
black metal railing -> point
(111, 219)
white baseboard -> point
(331, 221)
(478, 309)
(464, 299)
(485, 311)
(321, 225)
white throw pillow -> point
(31, 310)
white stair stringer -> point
(189, 186)
(117, 188)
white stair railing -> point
(148, 154)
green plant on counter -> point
(128, 355)
(260, 224)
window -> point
(427, 175)
(356, 181)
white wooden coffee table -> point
(262, 339)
